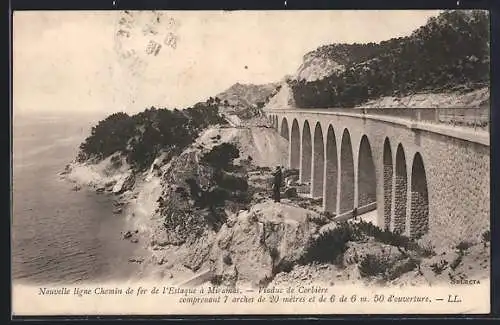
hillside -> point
(245, 100)
(333, 59)
(246, 95)
(452, 51)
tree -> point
(142, 136)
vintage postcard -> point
(251, 162)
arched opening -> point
(318, 162)
(400, 192)
(419, 218)
(388, 171)
(276, 122)
(295, 146)
(284, 129)
(331, 173)
(367, 183)
(306, 155)
(346, 174)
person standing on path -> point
(277, 184)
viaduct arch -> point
(318, 162)
(346, 174)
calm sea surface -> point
(59, 235)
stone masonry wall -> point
(400, 204)
(419, 218)
(387, 195)
(458, 180)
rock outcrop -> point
(255, 245)
(124, 183)
(182, 222)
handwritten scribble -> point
(170, 40)
(149, 30)
(153, 47)
(172, 24)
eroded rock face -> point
(125, 183)
(261, 242)
(199, 251)
(182, 222)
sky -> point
(68, 61)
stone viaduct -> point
(424, 178)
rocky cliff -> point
(333, 59)
(245, 100)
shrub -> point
(456, 262)
(463, 246)
(405, 267)
(221, 156)
(263, 168)
(329, 245)
(426, 251)
(373, 265)
(438, 268)
(319, 219)
(385, 236)
(216, 196)
(232, 182)
(486, 237)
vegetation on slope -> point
(450, 51)
(141, 137)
